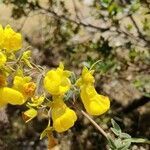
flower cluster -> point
(22, 88)
(17, 86)
(57, 83)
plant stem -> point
(38, 68)
(95, 124)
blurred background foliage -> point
(80, 32)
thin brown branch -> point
(137, 28)
(64, 17)
(95, 124)
(80, 23)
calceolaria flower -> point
(24, 85)
(12, 41)
(56, 81)
(94, 103)
(63, 117)
(11, 96)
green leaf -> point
(125, 146)
(68, 95)
(116, 132)
(73, 78)
(115, 125)
(118, 143)
(124, 135)
(111, 144)
(137, 140)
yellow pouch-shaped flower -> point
(12, 40)
(63, 117)
(94, 103)
(57, 82)
(11, 96)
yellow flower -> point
(12, 40)
(63, 117)
(3, 59)
(1, 36)
(94, 103)
(86, 77)
(11, 96)
(56, 82)
(23, 85)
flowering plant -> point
(23, 82)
